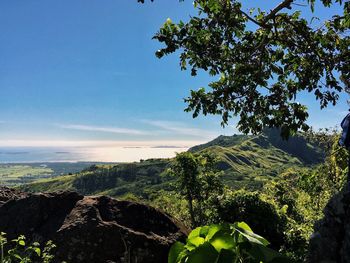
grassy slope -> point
(248, 164)
(247, 161)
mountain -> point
(247, 161)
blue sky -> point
(85, 70)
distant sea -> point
(85, 154)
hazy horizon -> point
(107, 151)
(84, 154)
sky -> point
(80, 72)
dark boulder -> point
(92, 229)
(330, 242)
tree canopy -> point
(262, 60)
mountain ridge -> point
(247, 161)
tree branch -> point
(273, 12)
(251, 19)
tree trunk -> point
(190, 208)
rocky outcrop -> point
(331, 241)
(92, 229)
(7, 194)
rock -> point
(7, 194)
(331, 239)
(93, 228)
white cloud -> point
(180, 128)
(102, 129)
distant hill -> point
(246, 161)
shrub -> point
(261, 215)
(17, 251)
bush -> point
(261, 215)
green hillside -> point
(246, 161)
(224, 141)
(113, 180)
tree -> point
(262, 60)
(197, 181)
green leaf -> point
(226, 256)
(195, 233)
(196, 241)
(222, 240)
(204, 253)
(21, 243)
(244, 226)
(246, 232)
(212, 231)
(204, 231)
(175, 251)
(266, 254)
(37, 251)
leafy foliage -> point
(225, 243)
(297, 210)
(330, 176)
(302, 193)
(17, 251)
(262, 61)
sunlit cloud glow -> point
(101, 143)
